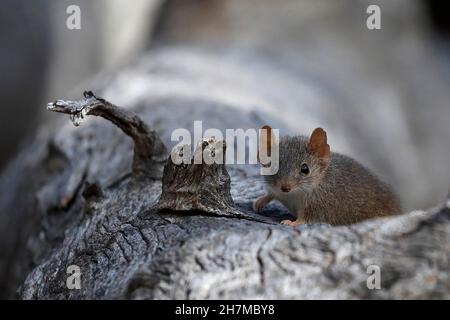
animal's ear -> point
(267, 140)
(319, 147)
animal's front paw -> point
(294, 223)
(261, 202)
(258, 205)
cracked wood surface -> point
(69, 198)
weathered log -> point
(70, 200)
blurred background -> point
(382, 94)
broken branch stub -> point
(204, 186)
(201, 186)
(149, 151)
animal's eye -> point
(304, 169)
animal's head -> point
(302, 161)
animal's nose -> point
(285, 188)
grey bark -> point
(70, 198)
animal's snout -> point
(285, 188)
